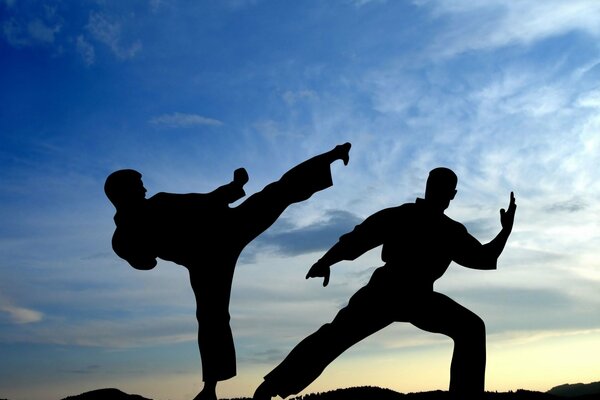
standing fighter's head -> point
(441, 187)
(125, 188)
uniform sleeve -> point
(364, 237)
(226, 194)
(470, 253)
(131, 249)
(221, 196)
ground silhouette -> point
(579, 391)
(377, 393)
(106, 394)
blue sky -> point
(504, 93)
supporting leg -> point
(362, 317)
(440, 314)
(215, 339)
(209, 391)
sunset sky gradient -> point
(506, 93)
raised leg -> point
(263, 208)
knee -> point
(477, 325)
(471, 329)
(325, 334)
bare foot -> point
(206, 396)
(263, 392)
(342, 152)
(208, 393)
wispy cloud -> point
(110, 333)
(288, 240)
(292, 97)
(493, 24)
(19, 315)
(24, 29)
(41, 32)
(86, 50)
(14, 33)
(34, 32)
(589, 99)
(315, 237)
(360, 3)
(108, 31)
(569, 206)
(90, 369)
(182, 120)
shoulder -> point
(162, 196)
(455, 225)
(396, 210)
(162, 200)
(402, 211)
(389, 215)
(386, 212)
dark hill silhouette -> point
(592, 391)
(376, 393)
(577, 389)
(106, 394)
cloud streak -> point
(287, 240)
(19, 315)
(86, 50)
(34, 32)
(108, 31)
(182, 120)
(485, 26)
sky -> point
(504, 93)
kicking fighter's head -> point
(441, 187)
(125, 187)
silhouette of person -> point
(419, 242)
(201, 232)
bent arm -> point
(365, 236)
(232, 191)
(482, 256)
(477, 256)
(494, 248)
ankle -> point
(264, 392)
(342, 152)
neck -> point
(438, 205)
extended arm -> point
(363, 238)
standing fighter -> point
(419, 242)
